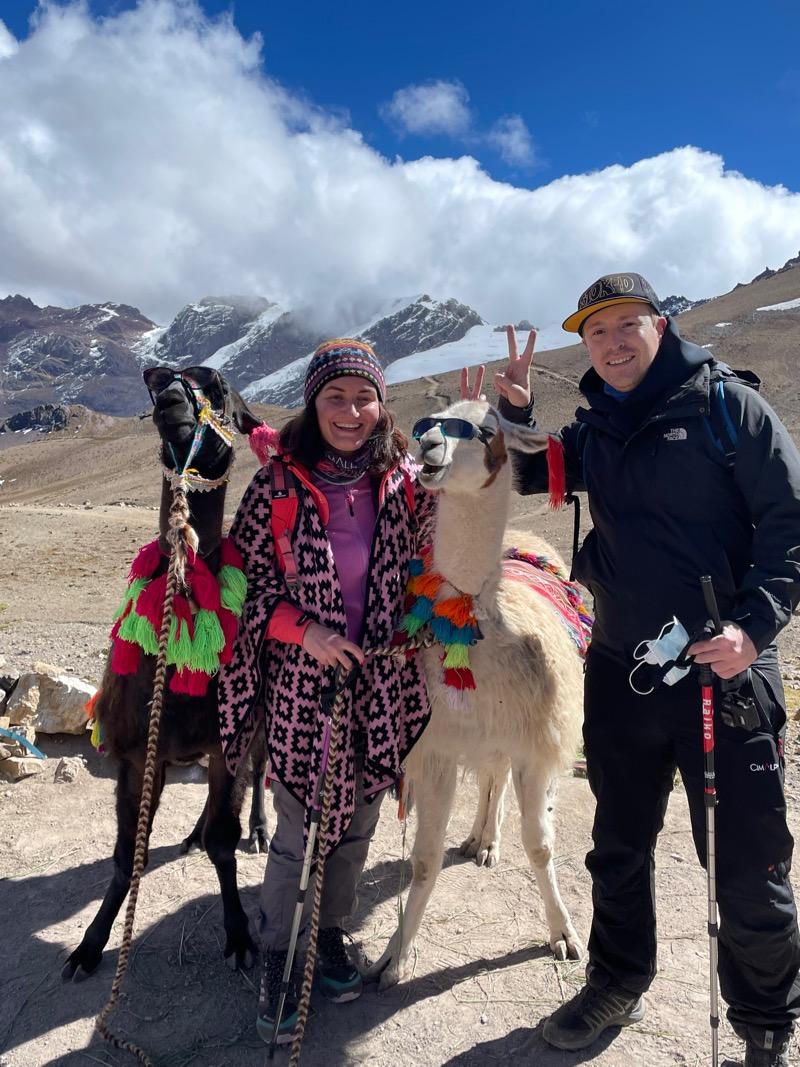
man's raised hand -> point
(515, 383)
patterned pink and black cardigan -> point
(389, 701)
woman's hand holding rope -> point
(329, 647)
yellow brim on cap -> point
(573, 323)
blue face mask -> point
(667, 648)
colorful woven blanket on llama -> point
(541, 574)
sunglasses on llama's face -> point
(461, 429)
(157, 379)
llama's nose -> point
(432, 448)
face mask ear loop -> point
(639, 692)
(639, 655)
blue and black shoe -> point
(339, 980)
(273, 966)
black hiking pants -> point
(633, 745)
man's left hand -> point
(727, 654)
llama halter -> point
(189, 477)
(452, 622)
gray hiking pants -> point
(285, 862)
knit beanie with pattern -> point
(339, 357)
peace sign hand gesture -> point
(515, 383)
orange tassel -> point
(89, 705)
(457, 609)
(426, 585)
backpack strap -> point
(284, 514)
(719, 424)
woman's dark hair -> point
(302, 438)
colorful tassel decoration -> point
(197, 644)
(556, 473)
(452, 622)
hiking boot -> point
(583, 1019)
(766, 1048)
(272, 970)
(339, 980)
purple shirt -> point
(351, 525)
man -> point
(671, 501)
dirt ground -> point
(484, 977)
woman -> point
(332, 586)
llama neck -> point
(468, 540)
(206, 510)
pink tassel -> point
(229, 555)
(264, 440)
(205, 590)
(230, 627)
(146, 562)
(557, 476)
(191, 683)
(125, 657)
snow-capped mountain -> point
(417, 325)
(677, 305)
(75, 355)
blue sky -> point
(593, 84)
(339, 156)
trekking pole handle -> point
(711, 603)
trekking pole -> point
(305, 874)
(706, 678)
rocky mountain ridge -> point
(94, 354)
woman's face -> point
(347, 411)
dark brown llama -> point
(189, 724)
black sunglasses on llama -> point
(461, 429)
(156, 379)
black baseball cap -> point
(610, 289)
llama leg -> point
(259, 837)
(194, 842)
(221, 836)
(433, 791)
(484, 839)
(535, 804)
(88, 954)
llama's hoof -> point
(78, 967)
(258, 840)
(488, 855)
(192, 843)
(240, 955)
(391, 968)
(469, 846)
(566, 946)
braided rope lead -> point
(179, 533)
(423, 639)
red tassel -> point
(263, 440)
(229, 555)
(459, 677)
(205, 590)
(191, 683)
(230, 627)
(150, 604)
(146, 562)
(125, 657)
(557, 477)
(90, 704)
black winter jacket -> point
(666, 508)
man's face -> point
(622, 341)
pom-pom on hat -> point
(339, 357)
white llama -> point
(526, 710)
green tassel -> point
(208, 642)
(131, 594)
(97, 734)
(232, 588)
(139, 631)
(457, 656)
(179, 645)
(411, 624)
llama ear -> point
(523, 438)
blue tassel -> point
(415, 567)
(422, 609)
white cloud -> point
(513, 140)
(432, 108)
(147, 158)
(8, 43)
